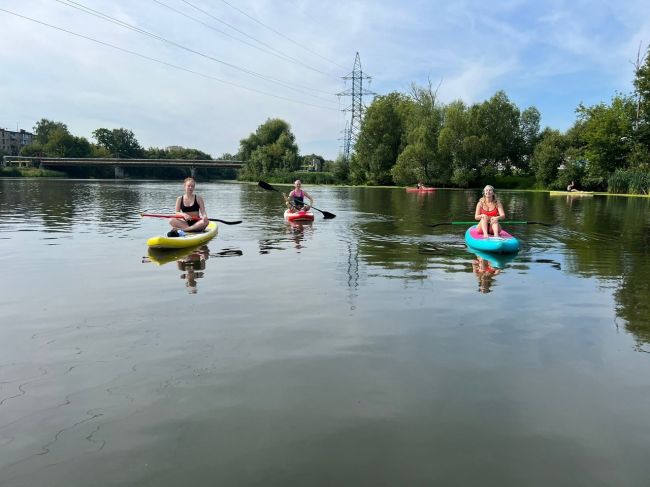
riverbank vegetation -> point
(409, 137)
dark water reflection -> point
(370, 349)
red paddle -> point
(155, 215)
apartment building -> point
(11, 142)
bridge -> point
(120, 165)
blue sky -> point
(223, 67)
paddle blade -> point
(225, 222)
(327, 215)
(439, 224)
(266, 186)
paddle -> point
(268, 187)
(503, 223)
(155, 215)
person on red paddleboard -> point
(296, 198)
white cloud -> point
(532, 51)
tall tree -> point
(270, 149)
(548, 156)
(380, 140)
(605, 130)
(45, 127)
(119, 142)
(419, 161)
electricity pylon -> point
(356, 108)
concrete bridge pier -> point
(119, 172)
(193, 172)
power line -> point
(273, 50)
(165, 63)
(281, 34)
(108, 18)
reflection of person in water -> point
(191, 264)
(297, 233)
(485, 273)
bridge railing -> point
(23, 161)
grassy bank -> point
(29, 172)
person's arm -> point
(502, 214)
(202, 212)
(477, 213)
(311, 200)
(180, 214)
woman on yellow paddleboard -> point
(190, 210)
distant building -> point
(11, 142)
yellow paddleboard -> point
(187, 240)
(571, 193)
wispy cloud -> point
(550, 54)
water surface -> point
(370, 349)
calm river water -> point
(370, 349)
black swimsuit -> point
(188, 209)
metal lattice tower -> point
(356, 108)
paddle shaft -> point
(268, 187)
(155, 215)
(507, 222)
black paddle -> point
(268, 187)
(155, 215)
(503, 222)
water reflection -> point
(191, 262)
(297, 232)
(294, 233)
(487, 266)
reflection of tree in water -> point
(610, 240)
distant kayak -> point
(298, 216)
(187, 240)
(420, 190)
(503, 244)
(571, 193)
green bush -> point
(513, 182)
(629, 181)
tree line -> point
(412, 137)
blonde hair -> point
(188, 179)
(483, 201)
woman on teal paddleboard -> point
(192, 208)
(489, 211)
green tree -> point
(605, 132)
(380, 141)
(119, 142)
(420, 160)
(496, 122)
(45, 127)
(529, 135)
(271, 149)
(640, 137)
(548, 156)
(61, 143)
(458, 150)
